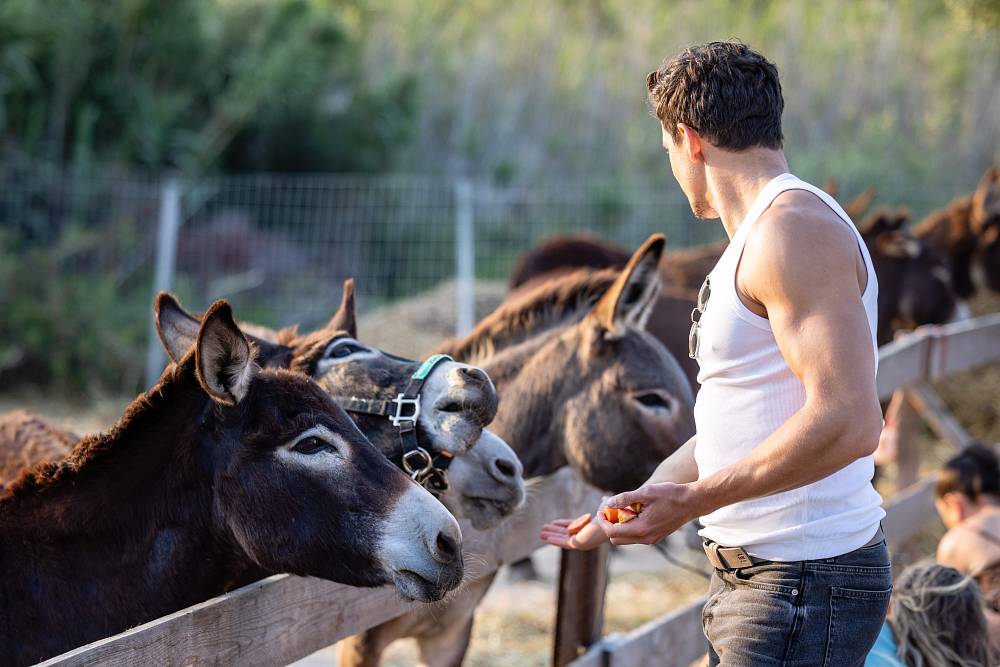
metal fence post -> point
(465, 259)
(166, 253)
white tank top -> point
(747, 392)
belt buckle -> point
(738, 554)
(712, 552)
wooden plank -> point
(673, 640)
(932, 409)
(907, 512)
(936, 351)
(900, 363)
(908, 427)
(583, 580)
(284, 618)
(966, 344)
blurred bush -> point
(68, 325)
(191, 84)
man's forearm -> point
(679, 467)
(811, 445)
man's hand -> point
(665, 508)
(557, 534)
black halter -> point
(425, 466)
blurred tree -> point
(195, 85)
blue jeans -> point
(806, 613)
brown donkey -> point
(581, 384)
(219, 469)
(967, 232)
(485, 481)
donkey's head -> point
(582, 381)
(455, 402)
(985, 224)
(636, 406)
(298, 488)
(914, 281)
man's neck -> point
(735, 180)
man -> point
(787, 416)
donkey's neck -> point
(530, 378)
(117, 534)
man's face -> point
(690, 173)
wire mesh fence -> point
(83, 252)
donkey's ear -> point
(628, 300)
(223, 358)
(176, 327)
(881, 221)
(344, 319)
(860, 204)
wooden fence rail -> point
(284, 618)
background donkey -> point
(581, 384)
(220, 468)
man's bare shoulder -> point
(799, 238)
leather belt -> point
(728, 559)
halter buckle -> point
(400, 415)
(417, 463)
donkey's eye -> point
(311, 445)
(653, 400)
(345, 350)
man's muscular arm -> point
(800, 265)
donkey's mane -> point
(530, 313)
(91, 448)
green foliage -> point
(192, 84)
(67, 329)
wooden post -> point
(908, 456)
(583, 578)
(929, 405)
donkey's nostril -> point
(505, 467)
(447, 548)
(475, 374)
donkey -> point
(219, 469)
(967, 232)
(27, 439)
(457, 401)
(581, 384)
(915, 286)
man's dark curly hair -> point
(726, 91)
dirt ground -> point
(514, 625)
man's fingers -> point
(634, 529)
(627, 498)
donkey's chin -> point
(415, 588)
(487, 513)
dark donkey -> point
(456, 401)
(581, 384)
(220, 469)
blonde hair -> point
(936, 616)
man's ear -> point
(691, 143)
(176, 327)
(223, 358)
(630, 298)
(344, 319)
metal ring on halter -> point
(417, 462)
